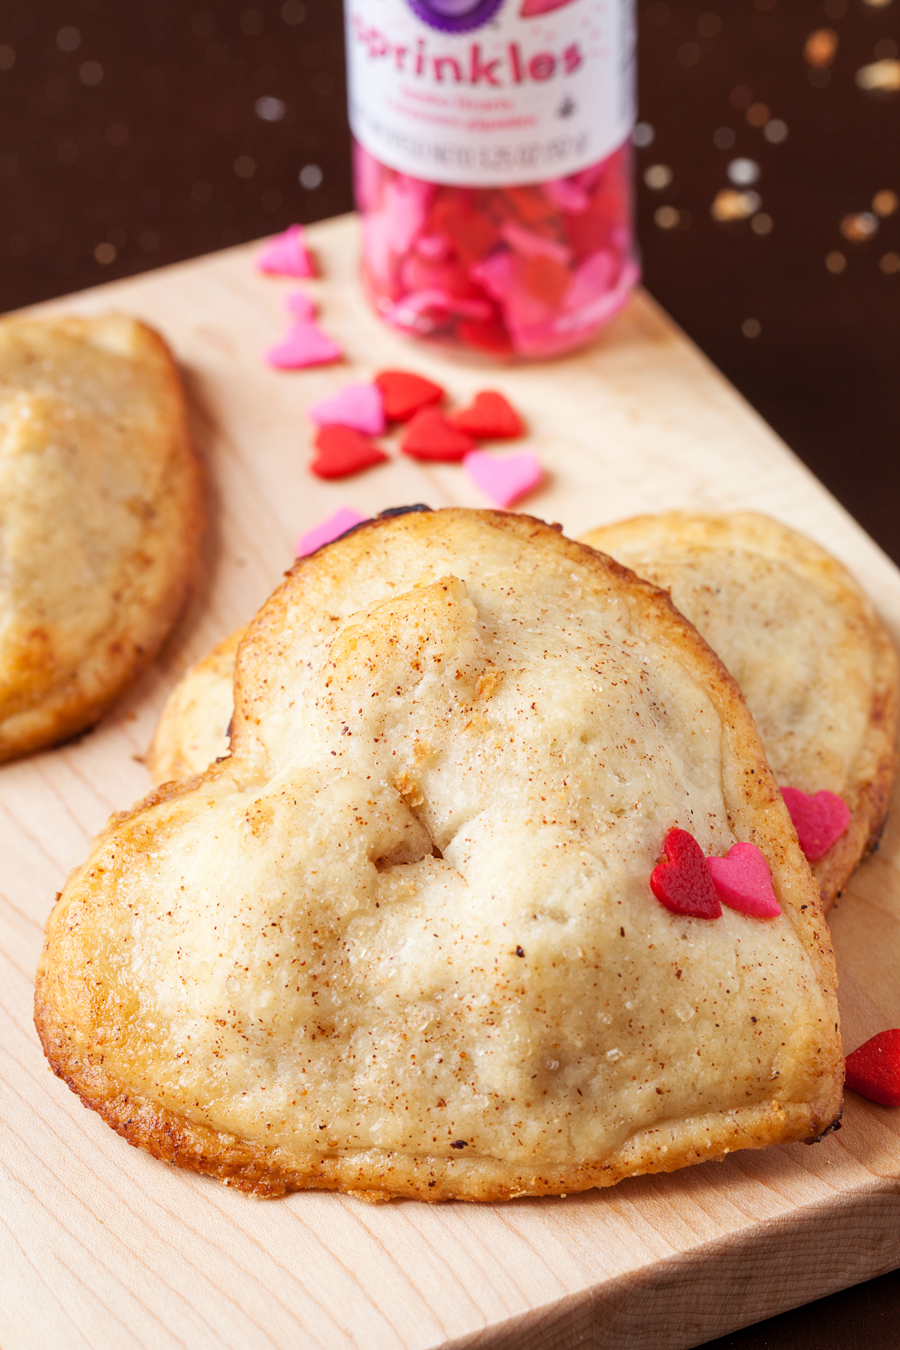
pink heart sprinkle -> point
(819, 820)
(495, 274)
(432, 246)
(287, 255)
(532, 245)
(359, 406)
(366, 178)
(743, 881)
(329, 530)
(406, 202)
(304, 345)
(300, 305)
(567, 195)
(593, 279)
(503, 478)
(531, 323)
(407, 310)
(378, 246)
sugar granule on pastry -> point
(402, 941)
(810, 654)
(101, 511)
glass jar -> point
(493, 167)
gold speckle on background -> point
(859, 227)
(885, 203)
(729, 204)
(658, 176)
(667, 217)
(883, 75)
(821, 47)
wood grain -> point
(100, 1245)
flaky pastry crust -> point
(195, 725)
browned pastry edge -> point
(868, 799)
(375, 1175)
(378, 1176)
(168, 757)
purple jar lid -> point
(455, 16)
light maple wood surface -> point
(100, 1245)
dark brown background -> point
(131, 136)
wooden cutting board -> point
(100, 1245)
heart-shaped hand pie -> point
(812, 658)
(874, 1069)
(819, 820)
(743, 881)
(403, 930)
(683, 883)
(101, 512)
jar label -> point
(482, 93)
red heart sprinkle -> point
(683, 882)
(874, 1069)
(819, 820)
(472, 233)
(489, 416)
(343, 451)
(489, 336)
(743, 881)
(404, 393)
(544, 278)
(430, 436)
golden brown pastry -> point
(101, 509)
(810, 654)
(194, 727)
(402, 942)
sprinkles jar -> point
(493, 167)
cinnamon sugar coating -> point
(401, 942)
